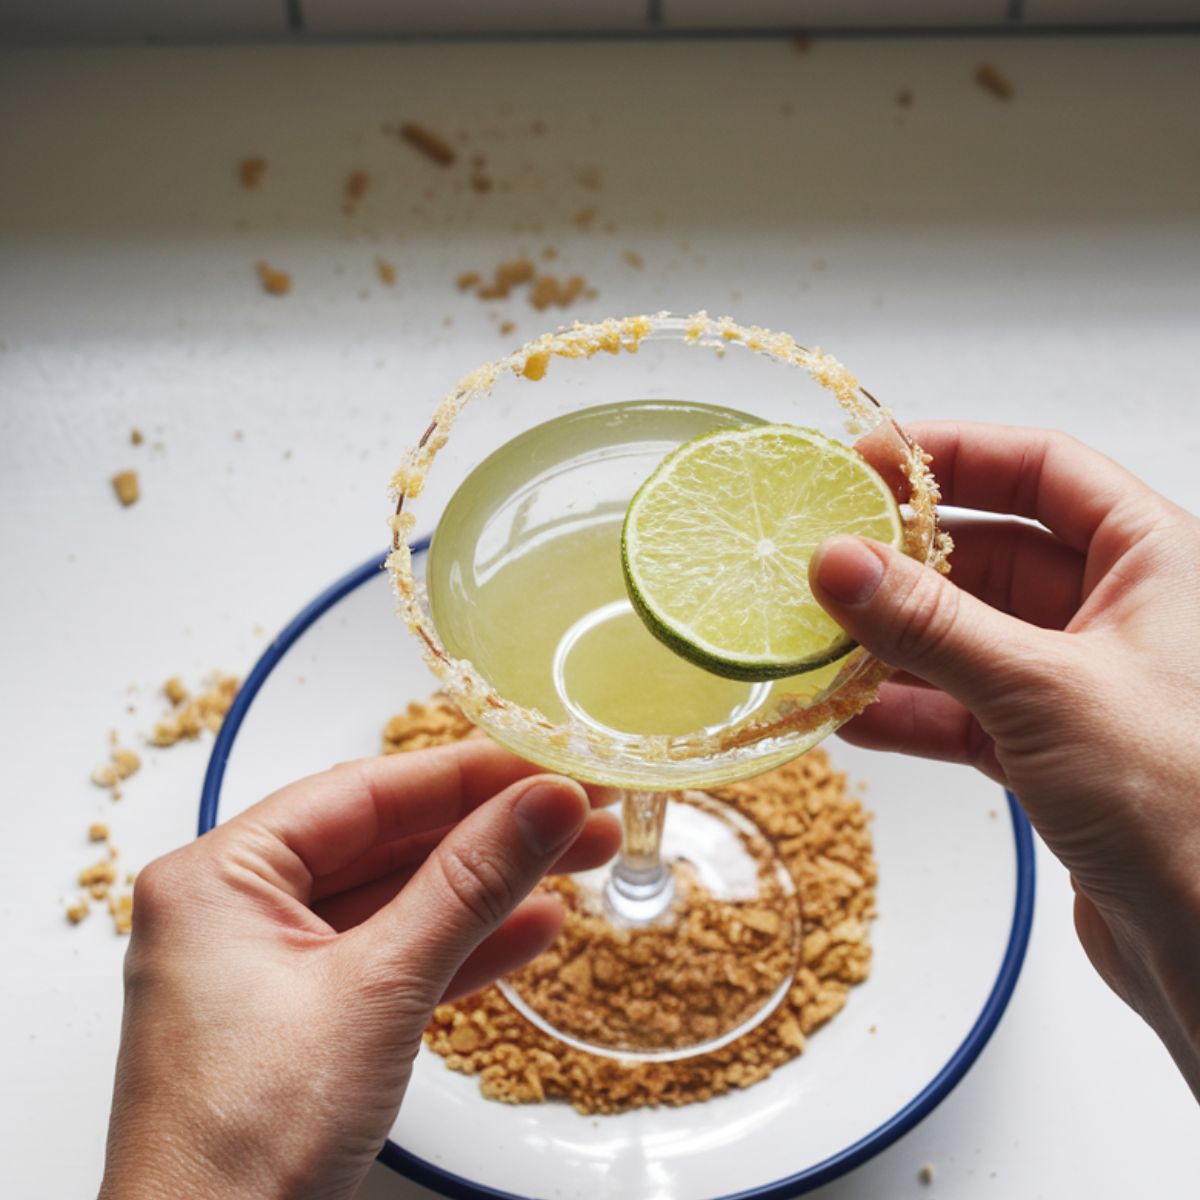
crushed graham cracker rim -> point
(765, 738)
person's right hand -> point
(1063, 662)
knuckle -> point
(157, 886)
(926, 617)
(478, 884)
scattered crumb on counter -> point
(467, 280)
(904, 98)
(430, 144)
(584, 218)
(802, 43)
(550, 290)
(634, 259)
(98, 878)
(926, 1173)
(97, 832)
(353, 191)
(589, 178)
(77, 911)
(386, 272)
(274, 282)
(120, 908)
(191, 715)
(135, 437)
(993, 80)
(125, 484)
(251, 169)
(507, 327)
(122, 763)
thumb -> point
(477, 875)
(912, 618)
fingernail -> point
(549, 815)
(847, 570)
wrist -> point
(157, 1159)
(1176, 966)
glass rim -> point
(758, 740)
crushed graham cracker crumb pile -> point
(823, 836)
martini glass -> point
(524, 619)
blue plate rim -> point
(455, 1186)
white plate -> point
(955, 900)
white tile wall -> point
(815, 14)
(1109, 12)
(125, 20)
(473, 16)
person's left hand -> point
(283, 967)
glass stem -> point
(641, 887)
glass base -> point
(691, 969)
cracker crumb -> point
(549, 253)
(993, 80)
(480, 182)
(125, 484)
(135, 437)
(190, 716)
(634, 259)
(507, 327)
(584, 218)
(174, 690)
(357, 183)
(97, 832)
(250, 170)
(904, 98)
(925, 1174)
(550, 290)
(77, 911)
(120, 908)
(386, 272)
(122, 763)
(434, 147)
(274, 282)
(98, 878)
(467, 280)
(823, 835)
(589, 178)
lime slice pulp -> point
(716, 545)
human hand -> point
(1064, 663)
(283, 967)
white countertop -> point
(1036, 261)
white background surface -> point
(1036, 262)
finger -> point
(1040, 473)
(917, 620)
(534, 925)
(924, 723)
(1019, 569)
(468, 886)
(349, 896)
(326, 822)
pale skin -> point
(283, 967)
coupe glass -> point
(524, 620)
